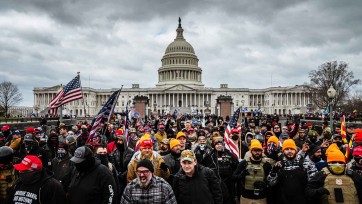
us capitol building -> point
(180, 86)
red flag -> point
(343, 127)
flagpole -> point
(61, 108)
(81, 90)
(109, 117)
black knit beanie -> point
(145, 163)
(313, 149)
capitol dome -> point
(179, 64)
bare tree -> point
(331, 73)
(9, 96)
(353, 102)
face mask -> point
(85, 165)
(339, 144)
(313, 139)
(248, 140)
(336, 168)
(202, 147)
(30, 177)
(61, 153)
(103, 158)
(358, 160)
(271, 147)
(235, 137)
(120, 147)
(31, 147)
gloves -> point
(163, 166)
(277, 167)
(322, 191)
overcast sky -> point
(247, 44)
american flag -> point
(229, 144)
(71, 92)
(104, 114)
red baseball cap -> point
(30, 162)
(357, 151)
(234, 131)
(146, 143)
(5, 128)
(30, 130)
(119, 132)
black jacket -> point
(47, 190)
(63, 170)
(96, 186)
(202, 187)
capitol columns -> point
(140, 104)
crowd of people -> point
(182, 159)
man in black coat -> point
(195, 184)
(92, 183)
(35, 184)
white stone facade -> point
(180, 86)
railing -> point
(22, 120)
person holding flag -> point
(232, 141)
(223, 163)
(104, 114)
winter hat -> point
(70, 139)
(180, 134)
(218, 139)
(313, 149)
(145, 137)
(145, 163)
(357, 151)
(284, 135)
(174, 142)
(255, 144)
(289, 143)
(273, 139)
(358, 133)
(313, 133)
(335, 155)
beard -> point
(290, 156)
(143, 181)
(256, 157)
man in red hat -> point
(146, 151)
(35, 185)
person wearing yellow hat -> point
(172, 160)
(272, 151)
(333, 184)
(252, 173)
(182, 138)
(289, 173)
